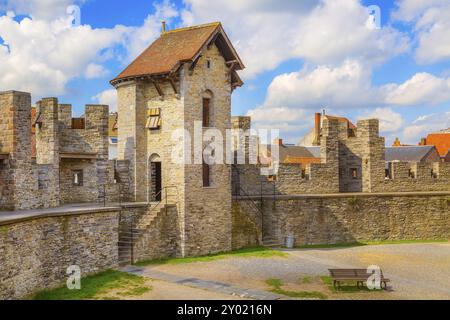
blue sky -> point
(301, 56)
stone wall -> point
(330, 219)
(18, 178)
(36, 253)
(207, 219)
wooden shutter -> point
(206, 173)
(205, 113)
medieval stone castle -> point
(144, 206)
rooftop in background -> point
(441, 140)
(314, 136)
(167, 53)
(411, 153)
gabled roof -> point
(166, 54)
(408, 154)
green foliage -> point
(277, 285)
(257, 252)
(306, 280)
(93, 287)
(353, 202)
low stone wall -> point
(35, 252)
(344, 218)
(245, 227)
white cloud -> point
(424, 125)
(294, 97)
(94, 71)
(324, 31)
(432, 27)
(348, 85)
(422, 88)
(390, 121)
(138, 39)
(39, 9)
(107, 97)
(42, 56)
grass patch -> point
(277, 285)
(368, 243)
(96, 286)
(257, 252)
(346, 287)
(306, 280)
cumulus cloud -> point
(94, 71)
(42, 56)
(424, 125)
(422, 88)
(295, 96)
(39, 9)
(107, 97)
(138, 39)
(432, 27)
(390, 121)
(266, 33)
(347, 85)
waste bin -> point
(290, 239)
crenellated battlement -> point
(47, 157)
(349, 163)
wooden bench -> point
(358, 275)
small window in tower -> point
(154, 119)
(206, 175)
(354, 173)
(77, 178)
(206, 112)
(208, 64)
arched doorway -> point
(155, 194)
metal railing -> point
(128, 237)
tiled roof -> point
(407, 154)
(293, 154)
(342, 119)
(174, 47)
(441, 141)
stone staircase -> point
(271, 242)
(132, 232)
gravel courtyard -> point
(417, 271)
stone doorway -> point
(155, 179)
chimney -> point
(278, 142)
(317, 124)
(163, 27)
(423, 142)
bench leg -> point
(384, 285)
(335, 284)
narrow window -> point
(77, 178)
(354, 173)
(206, 113)
(433, 174)
(206, 175)
(411, 174)
(388, 172)
(208, 64)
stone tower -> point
(168, 97)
